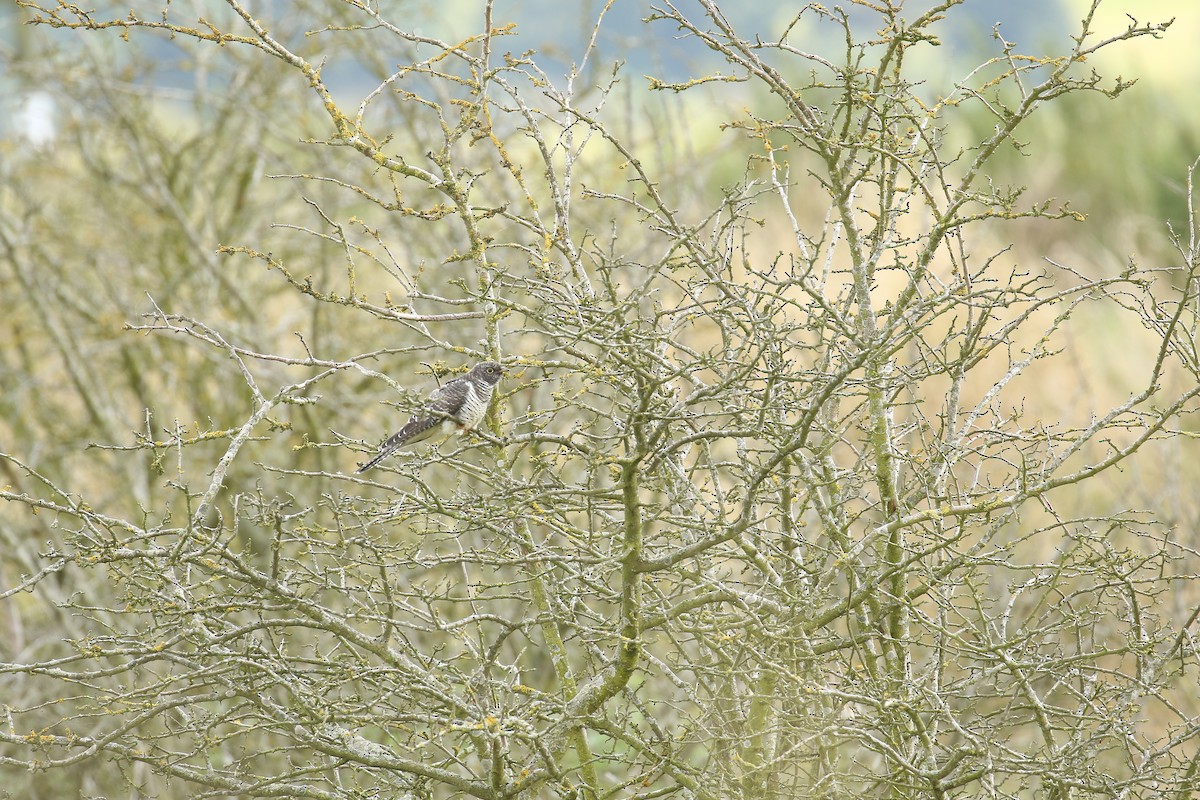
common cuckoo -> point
(457, 406)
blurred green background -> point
(1122, 163)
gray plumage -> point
(459, 406)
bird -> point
(456, 407)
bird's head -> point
(488, 371)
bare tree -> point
(762, 509)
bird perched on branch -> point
(456, 407)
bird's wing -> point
(445, 402)
(448, 401)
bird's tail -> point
(414, 431)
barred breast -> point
(475, 405)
